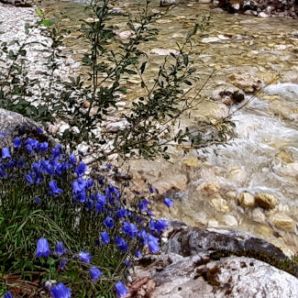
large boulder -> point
(25, 3)
(11, 123)
(215, 263)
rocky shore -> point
(215, 263)
(261, 8)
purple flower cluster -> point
(54, 176)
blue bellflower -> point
(81, 169)
(168, 202)
(130, 229)
(62, 264)
(54, 189)
(17, 142)
(121, 290)
(37, 201)
(108, 222)
(143, 205)
(121, 244)
(8, 295)
(60, 291)
(59, 248)
(42, 248)
(105, 238)
(6, 153)
(95, 273)
(85, 257)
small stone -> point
(220, 205)
(246, 200)
(205, 1)
(192, 162)
(249, 12)
(236, 6)
(164, 3)
(208, 188)
(63, 126)
(258, 215)
(86, 104)
(237, 174)
(266, 201)
(163, 52)
(213, 223)
(231, 195)
(52, 129)
(230, 220)
(283, 222)
(125, 34)
(285, 156)
(215, 39)
(217, 9)
(263, 15)
(117, 126)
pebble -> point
(258, 215)
(220, 205)
(283, 222)
(266, 201)
(230, 220)
(246, 200)
(263, 15)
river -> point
(242, 51)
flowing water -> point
(264, 155)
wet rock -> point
(229, 95)
(286, 90)
(283, 222)
(266, 201)
(246, 200)
(187, 241)
(262, 8)
(246, 82)
(164, 3)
